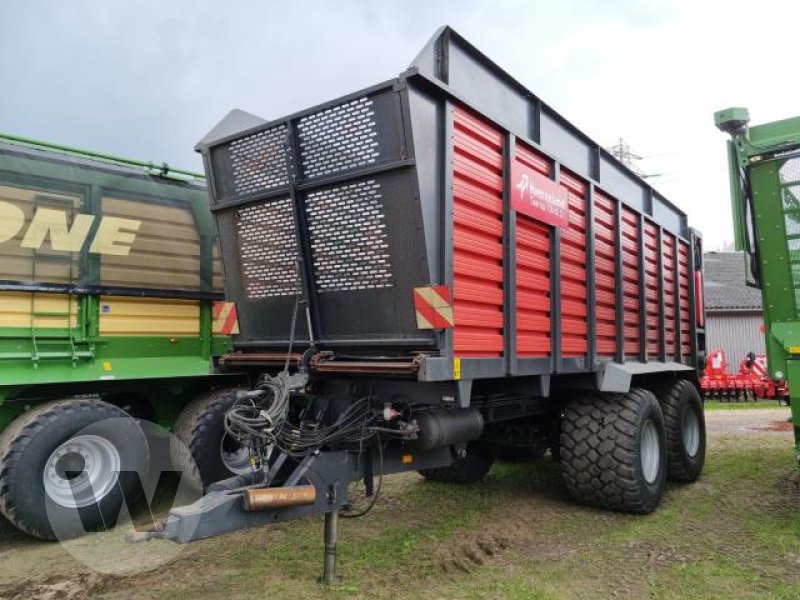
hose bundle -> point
(259, 418)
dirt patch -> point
(776, 426)
(75, 587)
(736, 421)
(473, 552)
(788, 490)
(659, 555)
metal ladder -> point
(55, 346)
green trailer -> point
(764, 163)
(110, 305)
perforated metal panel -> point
(350, 245)
(339, 138)
(258, 161)
(268, 243)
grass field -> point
(716, 405)
(733, 534)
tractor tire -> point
(470, 469)
(686, 431)
(60, 466)
(201, 428)
(614, 451)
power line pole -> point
(622, 152)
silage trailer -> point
(435, 268)
(110, 305)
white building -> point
(734, 319)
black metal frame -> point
(591, 284)
(509, 261)
(94, 290)
(662, 339)
(557, 361)
(677, 292)
(642, 290)
(619, 283)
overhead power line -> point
(622, 152)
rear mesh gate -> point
(341, 174)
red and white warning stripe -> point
(434, 307)
(226, 320)
(760, 365)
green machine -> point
(111, 305)
(764, 164)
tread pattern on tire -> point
(193, 422)
(677, 469)
(599, 451)
(16, 437)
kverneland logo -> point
(113, 235)
(538, 196)
(527, 186)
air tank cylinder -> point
(439, 428)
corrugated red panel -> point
(651, 251)
(477, 236)
(533, 273)
(630, 280)
(685, 308)
(574, 330)
(605, 284)
(669, 293)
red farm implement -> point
(749, 384)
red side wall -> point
(683, 278)
(630, 280)
(605, 285)
(669, 292)
(477, 236)
(574, 332)
(533, 272)
(478, 290)
(651, 288)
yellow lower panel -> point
(149, 316)
(17, 310)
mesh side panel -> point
(790, 171)
(792, 221)
(339, 138)
(268, 243)
(794, 250)
(258, 161)
(347, 226)
(791, 198)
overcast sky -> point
(147, 79)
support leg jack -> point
(331, 534)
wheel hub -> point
(82, 471)
(70, 466)
(235, 456)
(650, 452)
(690, 432)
